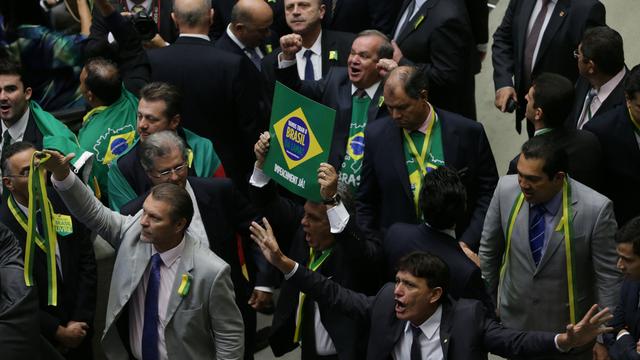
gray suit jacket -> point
(537, 298)
(206, 323)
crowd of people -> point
(145, 123)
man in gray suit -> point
(543, 280)
(169, 297)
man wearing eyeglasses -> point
(69, 325)
(159, 109)
(220, 212)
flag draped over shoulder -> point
(57, 136)
(108, 131)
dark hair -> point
(11, 67)
(179, 200)
(385, 51)
(414, 79)
(425, 265)
(12, 150)
(554, 94)
(630, 233)
(443, 198)
(632, 83)
(167, 93)
(158, 145)
(603, 46)
(103, 80)
(545, 148)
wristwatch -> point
(334, 200)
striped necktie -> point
(536, 232)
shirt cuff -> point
(621, 334)
(64, 184)
(482, 47)
(555, 342)
(338, 218)
(258, 178)
(283, 64)
(288, 275)
(265, 289)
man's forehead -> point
(21, 159)
(9, 79)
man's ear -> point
(6, 181)
(175, 122)
(424, 95)
(323, 9)
(559, 176)
(181, 225)
(27, 93)
(436, 294)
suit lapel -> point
(521, 231)
(185, 267)
(523, 23)
(445, 327)
(416, 22)
(396, 152)
(140, 260)
(373, 106)
(326, 44)
(559, 15)
(450, 141)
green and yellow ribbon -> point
(565, 224)
(185, 285)
(314, 264)
(38, 200)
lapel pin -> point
(333, 55)
(418, 22)
(183, 290)
(380, 101)
(269, 48)
(562, 13)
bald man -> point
(223, 104)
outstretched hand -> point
(261, 148)
(587, 329)
(57, 164)
(263, 236)
(328, 180)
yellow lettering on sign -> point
(295, 136)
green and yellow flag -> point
(301, 134)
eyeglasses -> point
(168, 173)
(24, 174)
(576, 55)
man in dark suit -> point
(421, 136)
(478, 11)
(519, 53)
(327, 240)
(437, 33)
(355, 93)
(617, 131)
(600, 58)
(443, 200)
(354, 16)
(220, 221)
(321, 49)
(68, 324)
(222, 105)
(622, 343)
(548, 105)
(416, 319)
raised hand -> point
(261, 148)
(587, 329)
(328, 180)
(290, 45)
(263, 236)
(385, 66)
(57, 164)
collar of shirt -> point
(425, 124)
(145, 4)
(541, 131)
(450, 232)
(199, 36)
(607, 88)
(430, 326)
(316, 48)
(371, 90)
(170, 256)
(17, 130)
(233, 38)
(552, 206)
(22, 208)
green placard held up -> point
(301, 133)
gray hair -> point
(192, 14)
(158, 145)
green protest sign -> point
(301, 133)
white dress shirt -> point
(532, 19)
(419, 4)
(301, 61)
(168, 270)
(17, 129)
(430, 347)
(196, 227)
(237, 41)
(601, 96)
(371, 90)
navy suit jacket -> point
(466, 331)
(626, 316)
(621, 161)
(465, 277)
(385, 196)
(356, 15)
(616, 98)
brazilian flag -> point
(301, 133)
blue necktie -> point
(308, 68)
(150, 328)
(536, 232)
(255, 58)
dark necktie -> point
(532, 39)
(137, 8)
(360, 94)
(6, 141)
(308, 68)
(416, 353)
(410, 8)
(150, 327)
(536, 232)
(586, 114)
(255, 58)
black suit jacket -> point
(465, 278)
(621, 161)
(561, 37)
(346, 265)
(32, 134)
(385, 196)
(626, 316)
(334, 91)
(356, 15)
(330, 41)
(219, 100)
(76, 286)
(616, 98)
(584, 152)
(442, 41)
(466, 331)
